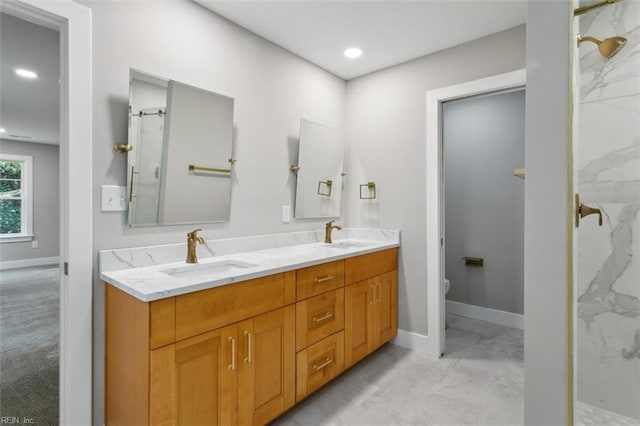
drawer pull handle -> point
(323, 365)
(323, 279)
(247, 359)
(322, 318)
(232, 366)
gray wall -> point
(483, 139)
(546, 229)
(386, 131)
(272, 89)
(46, 196)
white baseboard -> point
(27, 263)
(508, 319)
(414, 341)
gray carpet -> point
(29, 344)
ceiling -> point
(29, 109)
(388, 32)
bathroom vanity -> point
(263, 330)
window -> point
(16, 195)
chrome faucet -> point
(328, 228)
(192, 239)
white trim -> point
(73, 21)
(414, 341)
(28, 263)
(434, 219)
(15, 238)
(481, 313)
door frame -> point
(435, 202)
(73, 21)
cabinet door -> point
(359, 321)
(386, 307)
(194, 382)
(267, 366)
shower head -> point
(607, 47)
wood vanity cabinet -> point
(371, 303)
(245, 353)
(236, 373)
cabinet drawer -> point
(319, 279)
(207, 310)
(369, 265)
(319, 317)
(319, 364)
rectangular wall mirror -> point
(179, 167)
(321, 164)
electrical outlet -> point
(34, 244)
(286, 214)
(114, 198)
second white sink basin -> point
(202, 270)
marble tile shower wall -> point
(608, 143)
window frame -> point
(26, 223)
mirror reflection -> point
(179, 165)
(321, 163)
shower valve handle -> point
(583, 210)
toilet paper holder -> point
(474, 261)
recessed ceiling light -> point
(26, 73)
(353, 52)
(2, 130)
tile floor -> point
(588, 415)
(478, 382)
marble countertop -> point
(166, 279)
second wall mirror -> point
(321, 164)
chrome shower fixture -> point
(607, 47)
(590, 7)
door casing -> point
(73, 22)
(435, 201)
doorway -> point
(483, 208)
(72, 21)
(435, 223)
(29, 221)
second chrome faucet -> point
(328, 229)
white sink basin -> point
(202, 270)
(349, 244)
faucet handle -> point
(193, 234)
(330, 223)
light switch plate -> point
(286, 214)
(114, 198)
